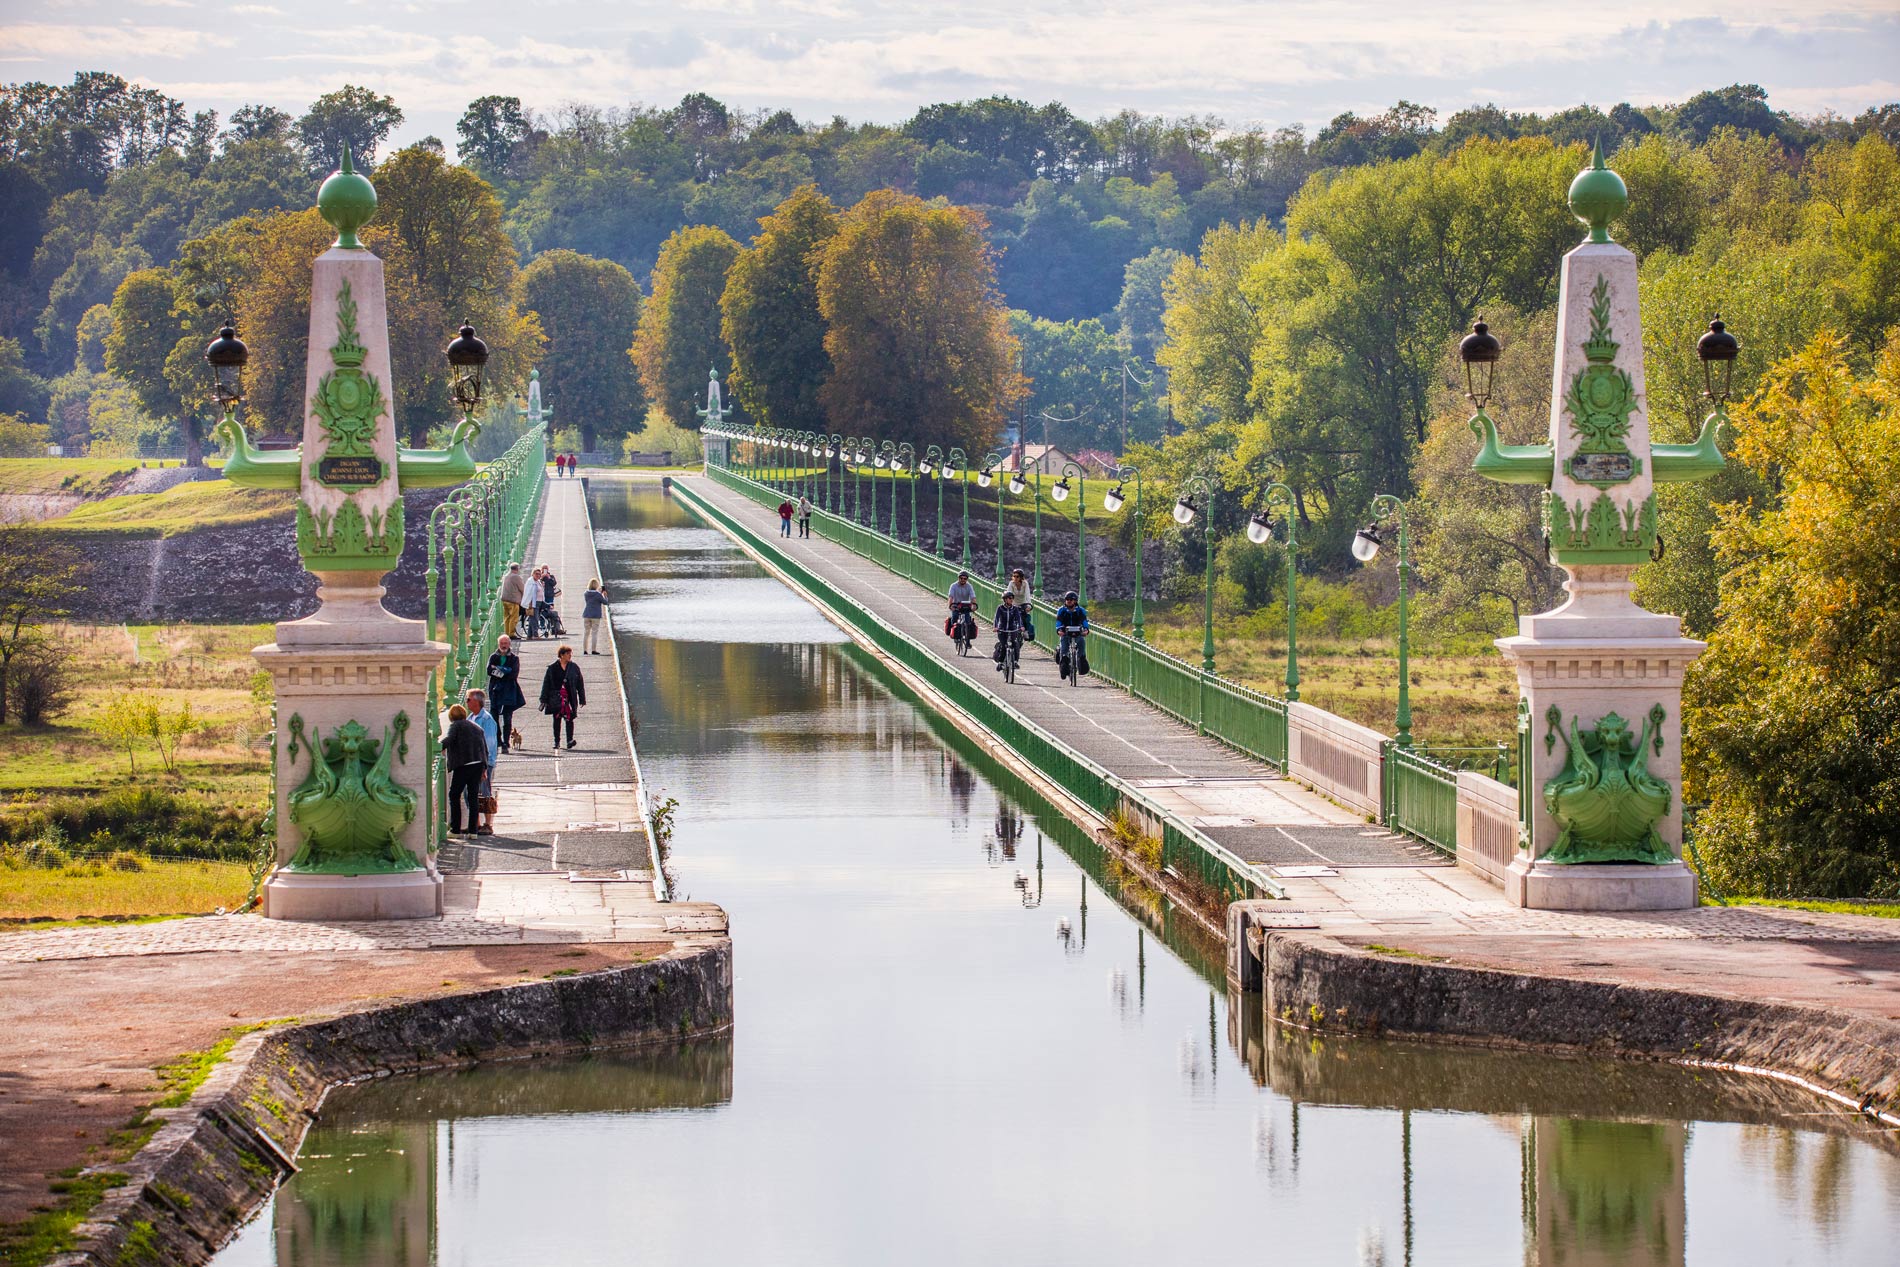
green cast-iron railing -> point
(1421, 796)
(1241, 718)
(1185, 849)
(473, 536)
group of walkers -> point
(565, 465)
(481, 729)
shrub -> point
(661, 434)
(40, 682)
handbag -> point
(490, 804)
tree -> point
(257, 123)
(679, 337)
(126, 722)
(918, 336)
(447, 261)
(770, 317)
(146, 331)
(489, 133)
(1792, 718)
(1074, 369)
(1142, 302)
(21, 390)
(589, 310)
(41, 572)
(350, 117)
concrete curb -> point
(1315, 982)
(218, 1157)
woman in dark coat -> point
(467, 750)
(563, 693)
(504, 687)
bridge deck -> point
(1242, 803)
(566, 811)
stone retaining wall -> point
(218, 1157)
(1316, 982)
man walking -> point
(785, 519)
(514, 587)
(804, 516)
(504, 687)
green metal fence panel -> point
(1421, 797)
(1184, 847)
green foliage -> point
(771, 319)
(1074, 369)
(589, 310)
(155, 822)
(662, 435)
(1793, 716)
(679, 336)
(351, 117)
(20, 438)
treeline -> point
(101, 179)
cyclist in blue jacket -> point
(1072, 624)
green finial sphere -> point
(348, 201)
(1598, 196)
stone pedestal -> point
(352, 661)
(1596, 655)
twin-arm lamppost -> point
(1016, 486)
(984, 478)
(960, 462)
(1365, 546)
(933, 464)
(1260, 531)
(1060, 492)
(909, 466)
(1112, 502)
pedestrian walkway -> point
(566, 811)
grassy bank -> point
(126, 885)
(179, 509)
(87, 477)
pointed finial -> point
(347, 201)
(1598, 195)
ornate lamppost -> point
(933, 463)
(1112, 502)
(1060, 491)
(1016, 486)
(984, 478)
(959, 461)
(1260, 531)
(1185, 512)
(909, 465)
(1365, 547)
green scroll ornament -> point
(1605, 800)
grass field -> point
(180, 508)
(1882, 910)
(102, 890)
(209, 665)
(89, 477)
(1463, 695)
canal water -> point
(962, 1038)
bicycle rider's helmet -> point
(963, 576)
(1069, 597)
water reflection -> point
(965, 1036)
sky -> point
(1272, 62)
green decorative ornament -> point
(1602, 397)
(348, 402)
(351, 812)
(1598, 196)
(1605, 800)
(348, 540)
(1601, 532)
(348, 202)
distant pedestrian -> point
(593, 611)
(560, 465)
(467, 751)
(573, 465)
(504, 688)
(546, 606)
(478, 713)
(804, 516)
(514, 588)
(785, 519)
(563, 694)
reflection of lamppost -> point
(1112, 502)
(933, 464)
(1184, 512)
(984, 478)
(959, 461)
(1061, 493)
(1365, 546)
(1259, 531)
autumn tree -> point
(917, 332)
(351, 116)
(41, 572)
(146, 329)
(589, 310)
(771, 319)
(679, 337)
(1792, 718)
(446, 262)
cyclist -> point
(962, 608)
(1008, 625)
(1072, 623)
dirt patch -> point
(80, 1039)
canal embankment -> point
(217, 1156)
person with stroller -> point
(550, 622)
(1072, 628)
(1008, 624)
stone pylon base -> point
(1610, 886)
(404, 895)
